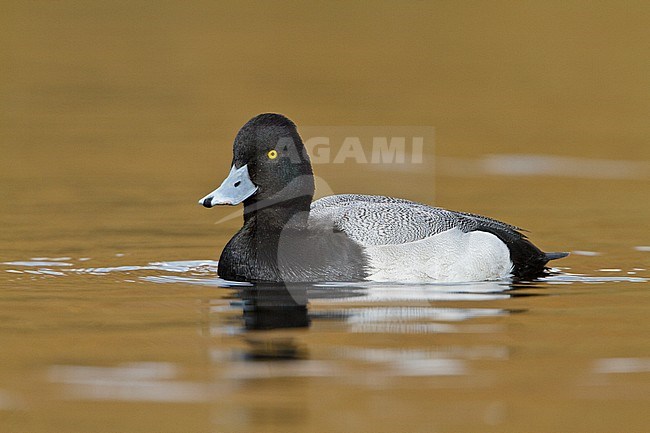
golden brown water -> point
(116, 118)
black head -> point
(270, 165)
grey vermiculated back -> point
(380, 220)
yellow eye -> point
(272, 154)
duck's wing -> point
(379, 220)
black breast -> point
(292, 254)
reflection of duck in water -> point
(271, 306)
(286, 237)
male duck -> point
(286, 237)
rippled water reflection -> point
(264, 346)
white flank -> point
(450, 256)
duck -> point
(287, 237)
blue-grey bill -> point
(237, 187)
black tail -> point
(529, 261)
(555, 256)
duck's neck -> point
(273, 217)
